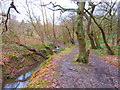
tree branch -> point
(102, 31)
(60, 8)
(31, 49)
(108, 12)
(8, 13)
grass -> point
(116, 49)
(37, 46)
(11, 54)
(104, 51)
(16, 48)
(99, 51)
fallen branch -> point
(51, 52)
(31, 49)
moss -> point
(84, 68)
(56, 74)
(8, 76)
(75, 58)
(37, 84)
(90, 64)
(45, 62)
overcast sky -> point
(20, 4)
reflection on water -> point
(16, 85)
(21, 81)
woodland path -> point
(97, 75)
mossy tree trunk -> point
(81, 34)
(118, 30)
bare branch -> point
(60, 8)
(13, 6)
(108, 12)
(8, 13)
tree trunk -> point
(71, 38)
(96, 39)
(54, 34)
(89, 34)
(103, 34)
(81, 34)
(118, 30)
(89, 30)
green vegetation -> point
(39, 83)
(116, 49)
(75, 58)
(103, 50)
(99, 51)
(17, 48)
(27, 42)
(37, 46)
(56, 74)
(45, 61)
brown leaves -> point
(47, 72)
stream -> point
(24, 77)
(20, 81)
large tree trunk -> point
(81, 34)
(118, 30)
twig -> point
(107, 12)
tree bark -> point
(81, 34)
(89, 30)
(54, 34)
(118, 30)
(71, 38)
(96, 39)
(90, 34)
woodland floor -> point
(63, 72)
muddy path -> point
(98, 74)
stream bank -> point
(21, 80)
(20, 65)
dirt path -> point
(97, 75)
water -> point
(20, 81)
